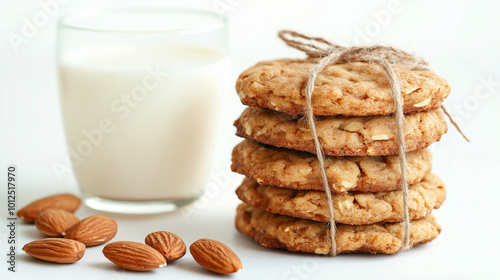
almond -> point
(168, 244)
(215, 256)
(423, 103)
(94, 230)
(55, 222)
(380, 137)
(55, 250)
(353, 126)
(133, 255)
(67, 202)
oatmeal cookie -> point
(353, 89)
(292, 234)
(341, 136)
(353, 208)
(300, 170)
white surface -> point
(459, 39)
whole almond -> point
(94, 230)
(168, 244)
(215, 256)
(55, 222)
(55, 250)
(133, 255)
(67, 202)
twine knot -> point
(316, 47)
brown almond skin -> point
(55, 222)
(168, 244)
(215, 256)
(92, 231)
(133, 256)
(56, 250)
(67, 202)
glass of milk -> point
(140, 91)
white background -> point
(461, 41)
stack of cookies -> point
(284, 203)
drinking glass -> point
(140, 90)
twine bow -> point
(385, 57)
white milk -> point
(142, 126)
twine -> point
(383, 56)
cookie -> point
(354, 208)
(292, 234)
(354, 89)
(300, 170)
(341, 136)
